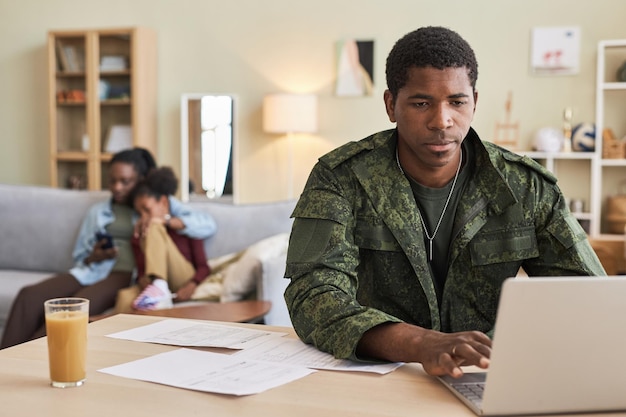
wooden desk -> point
(25, 390)
(248, 311)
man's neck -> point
(433, 177)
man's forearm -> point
(394, 342)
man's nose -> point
(441, 117)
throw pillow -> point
(234, 276)
(211, 288)
(240, 277)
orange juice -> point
(67, 345)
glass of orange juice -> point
(66, 328)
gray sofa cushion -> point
(239, 226)
(52, 215)
(11, 281)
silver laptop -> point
(559, 347)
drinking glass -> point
(66, 328)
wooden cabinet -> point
(101, 81)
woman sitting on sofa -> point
(99, 272)
(169, 265)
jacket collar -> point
(382, 179)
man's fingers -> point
(483, 350)
(471, 353)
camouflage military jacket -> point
(357, 256)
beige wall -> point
(254, 47)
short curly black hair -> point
(431, 46)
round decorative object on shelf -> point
(548, 139)
(621, 72)
(584, 137)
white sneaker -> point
(155, 296)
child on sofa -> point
(167, 262)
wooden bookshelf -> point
(98, 78)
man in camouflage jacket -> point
(358, 258)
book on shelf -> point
(70, 58)
(80, 58)
(63, 65)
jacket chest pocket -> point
(375, 237)
(504, 246)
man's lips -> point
(440, 146)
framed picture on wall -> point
(555, 50)
(355, 68)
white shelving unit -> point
(591, 177)
(608, 174)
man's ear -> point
(390, 104)
(475, 99)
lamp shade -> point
(290, 113)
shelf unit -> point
(605, 177)
(608, 174)
(82, 112)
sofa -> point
(39, 225)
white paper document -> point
(296, 353)
(180, 332)
(209, 372)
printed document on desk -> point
(263, 346)
(209, 372)
(294, 352)
(179, 332)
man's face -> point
(433, 113)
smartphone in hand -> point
(105, 236)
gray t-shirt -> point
(431, 202)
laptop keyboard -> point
(473, 391)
